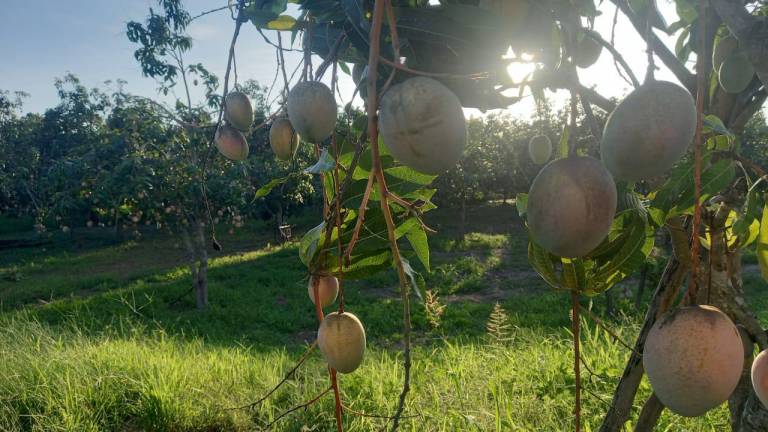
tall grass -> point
(59, 379)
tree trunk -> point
(641, 286)
(671, 281)
(621, 406)
(650, 414)
(202, 271)
(463, 227)
(191, 257)
(116, 221)
(194, 240)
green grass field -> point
(91, 340)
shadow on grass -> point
(260, 298)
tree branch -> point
(617, 56)
(596, 98)
(668, 57)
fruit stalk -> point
(337, 188)
(373, 59)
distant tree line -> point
(118, 160)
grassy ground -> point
(90, 339)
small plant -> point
(433, 309)
(498, 327)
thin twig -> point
(298, 407)
(203, 172)
(602, 325)
(613, 44)
(379, 416)
(286, 377)
(268, 41)
(617, 57)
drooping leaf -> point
(417, 237)
(310, 243)
(541, 261)
(267, 188)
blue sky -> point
(87, 38)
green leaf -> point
(682, 49)
(405, 227)
(571, 279)
(417, 237)
(712, 123)
(521, 203)
(310, 243)
(686, 10)
(541, 261)
(714, 179)
(762, 244)
(635, 248)
(261, 13)
(282, 23)
(410, 175)
(365, 265)
(267, 188)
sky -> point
(87, 38)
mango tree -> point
(589, 225)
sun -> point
(521, 68)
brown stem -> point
(649, 415)
(696, 224)
(373, 58)
(576, 357)
(360, 217)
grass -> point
(89, 341)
